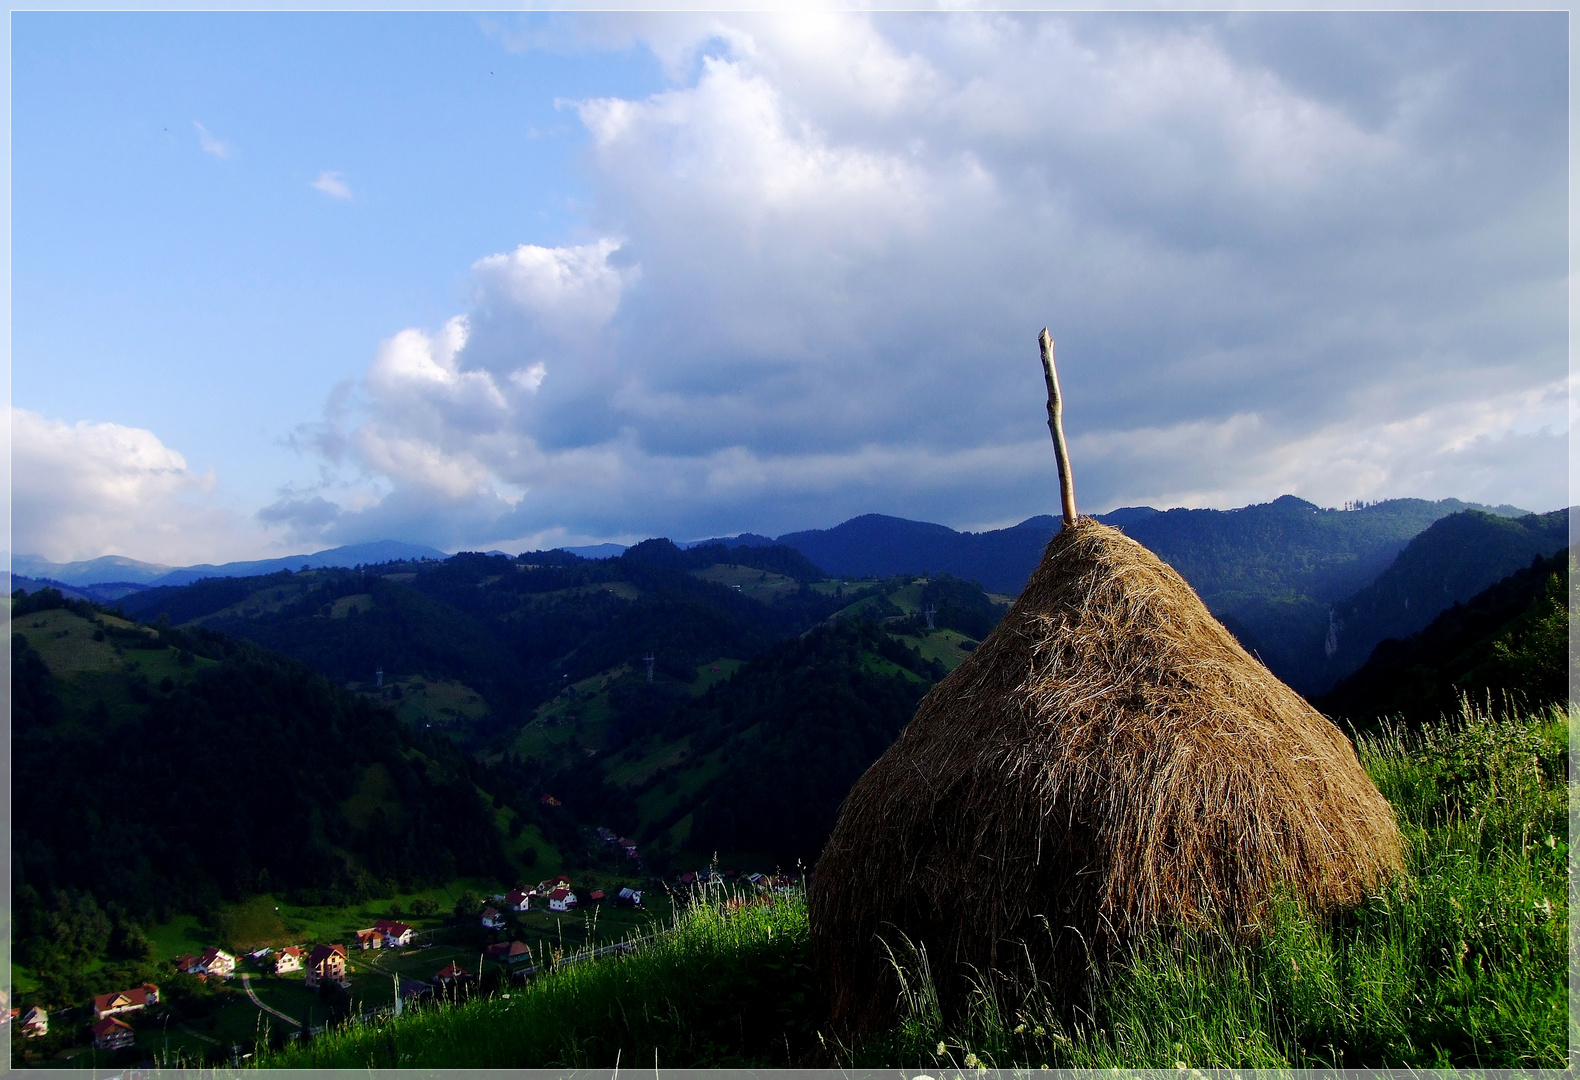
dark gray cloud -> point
(1314, 253)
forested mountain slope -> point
(1508, 643)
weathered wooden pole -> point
(1056, 427)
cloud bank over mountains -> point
(1317, 254)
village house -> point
(562, 899)
(125, 1001)
(451, 974)
(396, 934)
(558, 881)
(288, 959)
(633, 897)
(493, 920)
(34, 1023)
(595, 897)
(326, 963)
(112, 1034)
(508, 952)
(369, 939)
(216, 962)
(518, 900)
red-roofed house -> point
(395, 933)
(112, 1034)
(288, 959)
(562, 899)
(508, 952)
(217, 961)
(493, 920)
(369, 939)
(451, 973)
(595, 897)
(518, 899)
(326, 962)
(125, 1001)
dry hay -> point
(1109, 760)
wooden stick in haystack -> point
(1108, 766)
(1061, 453)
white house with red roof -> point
(123, 1001)
(518, 899)
(216, 961)
(562, 899)
(492, 919)
(287, 960)
(396, 934)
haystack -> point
(1109, 762)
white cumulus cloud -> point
(83, 490)
(825, 249)
(333, 184)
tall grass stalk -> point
(1464, 961)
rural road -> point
(246, 983)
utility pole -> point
(930, 612)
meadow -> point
(1463, 961)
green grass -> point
(722, 988)
(763, 585)
(1462, 962)
(441, 702)
(945, 646)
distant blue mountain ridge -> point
(117, 570)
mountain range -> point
(118, 570)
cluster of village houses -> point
(327, 963)
(555, 894)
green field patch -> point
(64, 640)
(909, 598)
(761, 585)
(713, 673)
(948, 647)
(870, 607)
(877, 665)
(840, 586)
(440, 702)
(581, 709)
(622, 589)
(251, 925)
(343, 607)
(636, 772)
(179, 936)
(262, 602)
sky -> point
(287, 281)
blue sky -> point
(283, 281)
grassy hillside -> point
(1461, 963)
